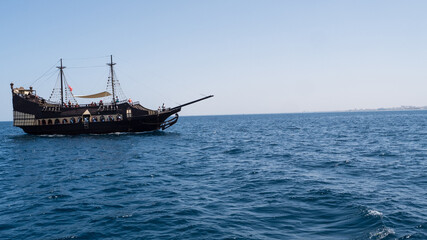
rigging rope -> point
(55, 96)
(117, 89)
(49, 77)
(86, 58)
(44, 74)
(88, 67)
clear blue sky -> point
(254, 56)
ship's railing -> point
(55, 106)
(33, 97)
(93, 104)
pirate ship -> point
(36, 115)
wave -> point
(59, 196)
(380, 153)
(381, 233)
(234, 151)
(374, 213)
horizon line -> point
(305, 112)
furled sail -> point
(96, 95)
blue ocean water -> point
(282, 176)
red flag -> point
(70, 88)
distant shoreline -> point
(402, 108)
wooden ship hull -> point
(38, 116)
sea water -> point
(280, 176)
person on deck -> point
(117, 99)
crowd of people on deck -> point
(76, 105)
(71, 105)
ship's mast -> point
(61, 69)
(111, 64)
